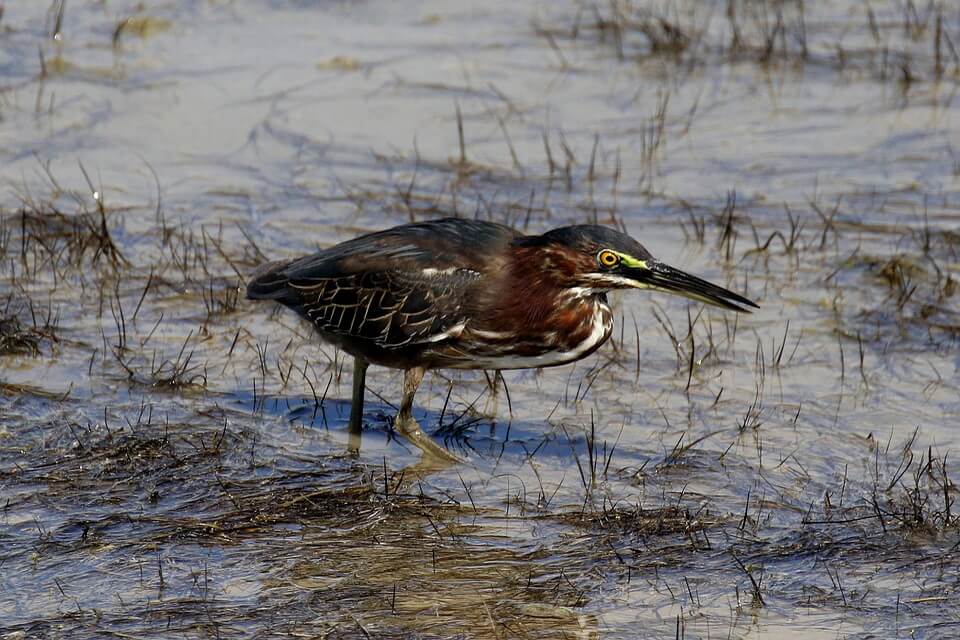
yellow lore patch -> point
(632, 262)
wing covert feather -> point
(390, 309)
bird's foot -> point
(412, 432)
(354, 435)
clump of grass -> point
(920, 495)
(916, 297)
(20, 338)
(910, 46)
(221, 297)
(17, 339)
(45, 236)
(635, 519)
(907, 492)
(178, 373)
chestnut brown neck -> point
(538, 289)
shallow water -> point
(171, 456)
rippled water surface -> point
(172, 457)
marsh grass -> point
(47, 239)
(377, 552)
(350, 536)
(903, 42)
(170, 456)
(180, 504)
(25, 329)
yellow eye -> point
(608, 258)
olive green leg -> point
(406, 424)
(355, 428)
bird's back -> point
(387, 295)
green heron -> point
(467, 294)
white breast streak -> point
(492, 335)
(432, 272)
(602, 325)
(452, 332)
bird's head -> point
(595, 259)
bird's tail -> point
(269, 282)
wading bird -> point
(467, 294)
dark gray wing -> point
(438, 244)
(391, 309)
(394, 288)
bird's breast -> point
(570, 332)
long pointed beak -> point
(663, 277)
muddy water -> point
(173, 456)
